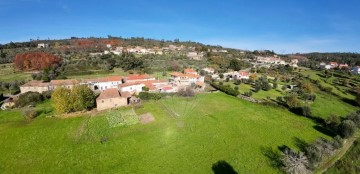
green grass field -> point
(206, 129)
(7, 73)
(116, 72)
(327, 83)
(327, 104)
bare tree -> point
(295, 163)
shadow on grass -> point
(222, 167)
(301, 144)
(274, 157)
(325, 130)
(349, 101)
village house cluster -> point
(190, 52)
(274, 60)
(116, 91)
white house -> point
(104, 82)
(209, 70)
(328, 67)
(356, 70)
(178, 78)
(133, 88)
(42, 45)
(243, 75)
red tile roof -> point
(138, 77)
(192, 76)
(125, 94)
(35, 83)
(130, 84)
(188, 70)
(242, 73)
(64, 82)
(109, 93)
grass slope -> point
(208, 128)
(8, 73)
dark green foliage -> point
(149, 96)
(29, 113)
(1, 96)
(227, 79)
(29, 98)
(46, 94)
(221, 75)
(338, 142)
(248, 94)
(236, 88)
(146, 89)
(275, 85)
(237, 82)
(226, 89)
(332, 122)
(306, 111)
(292, 101)
(347, 128)
(355, 117)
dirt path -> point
(338, 155)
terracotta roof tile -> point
(109, 93)
(138, 77)
(35, 83)
(64, 82)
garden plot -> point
(121, 117)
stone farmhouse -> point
(112, 98)
(67, 83)
(35, 86)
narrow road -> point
(338, 155)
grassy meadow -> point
(7, 73)
(187, 136)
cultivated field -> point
(187, 136)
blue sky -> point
(285, 26)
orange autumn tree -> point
(35, 61)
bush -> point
(292, 101)
(306, 111)
(46, 94)
(226, 89)
(347, 128)
(236, 88)
(149, 96)
(355, 117)
(29, 113)
(275, 85)
(29, 98)
(186, 92)
(237, 82)
(338, 142)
